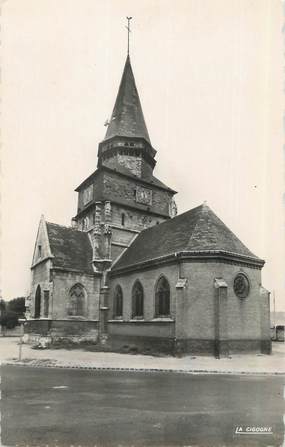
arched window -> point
(118, 302)
(137, 299)
(162, 297)
(38, 303)
(76, 305)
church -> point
(132, 275)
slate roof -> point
(148, 178)
(127, 118)
(197, 230)
(71, 248)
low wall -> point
(237, 346)
(144, 345)
(57, 330)
(135, 336)
(209, 347)
(141, 336)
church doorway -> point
(38, 303)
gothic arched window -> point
(137, 299)
(76, 305)
(162, 297)
(118, 302)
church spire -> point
(127, 118)
(127, 144)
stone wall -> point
(124, 189)
(142, 344)
(134, 219)
(159, 329)
(243, 316)
(62, 283)
(62, 330)
(148, 279)
(97, 182)
(150, 333)
(246, 321)
(135, 163)
(40, 278)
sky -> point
(209, 75)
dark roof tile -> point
(127, 118)
(147, 177)
(71, 248)
(196, 230)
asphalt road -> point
(63, 407)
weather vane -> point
(129, 30)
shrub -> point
(9, 319)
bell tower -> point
(127, 141)
(124, 181)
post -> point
(22, 321)
(274, 315)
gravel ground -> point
(247, 363)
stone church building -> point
(130, 272)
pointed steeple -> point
(127, 118)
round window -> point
(241, 286)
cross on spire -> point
(129, 30)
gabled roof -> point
(70, 248)
(196, 231)
(127, 118)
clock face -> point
(143, 195)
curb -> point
(144, 370)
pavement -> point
(79, 358)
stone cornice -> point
(224, 256)
(79, 272)
(132, 206)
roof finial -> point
(129, 30)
